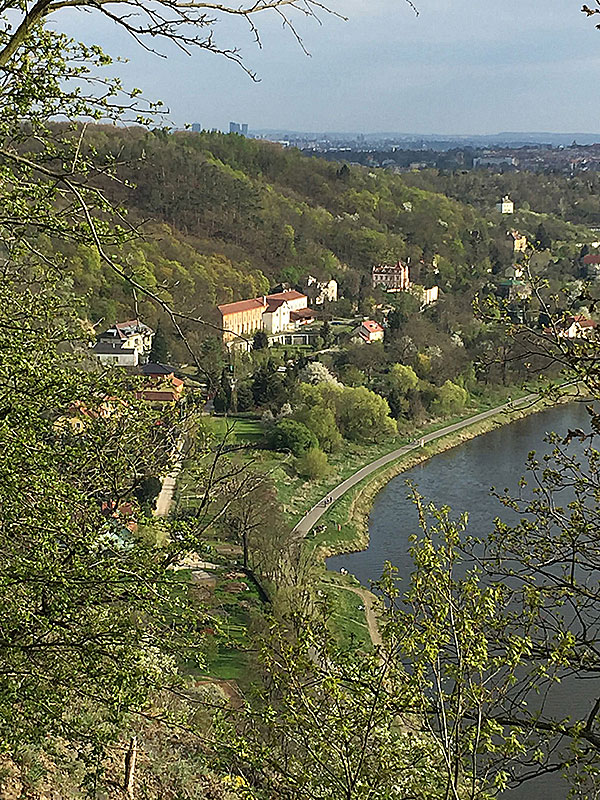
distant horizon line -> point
(418, 135)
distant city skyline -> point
(460, 68)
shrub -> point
(288, 434)
(245, 398)
(450, 399)
(313, 464)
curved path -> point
(167, 491)
(317, 511)
(369, 601)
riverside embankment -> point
(347, 518)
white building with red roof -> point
(271, 313)
(578, 327)
(276, 316)
(370, 331)
(295, 300)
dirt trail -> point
(369, 603)
(165, 496)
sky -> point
(459, 67)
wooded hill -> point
(225, 217)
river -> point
(461, 478)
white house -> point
(506, 205)
(578, 327)
(320, 292)
(276, 316)
(369, 331)
(125, 344)
(425, 296)
(114, 353)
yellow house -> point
(243, 318)
(519, 242)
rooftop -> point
(241, 305)
(291, 294)
(106, 348)
(273, 305)
(582, 321)
(123, 330)
(156, 369)
(372, 326)
(303, 313)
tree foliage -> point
(312, 464)
(85, 600)
(291, 435)
(450, 399)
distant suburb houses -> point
(396, 278)
(128, 344)
(273, 314)
(124, 344)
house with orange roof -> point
(161, 385)
(369, 331)
(241, 319)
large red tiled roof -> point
(291, 294)
(583, 322)
(592, 258)
(273, 305)
(241, 305)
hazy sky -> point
(461, 66)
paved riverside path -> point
(315, 513)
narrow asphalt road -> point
(316, 512)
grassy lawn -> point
(245, 429)
(230, 653)
(347, 620)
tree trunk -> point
(130, 768)
(245, 545)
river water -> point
(461, 478)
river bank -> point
(347, 521)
